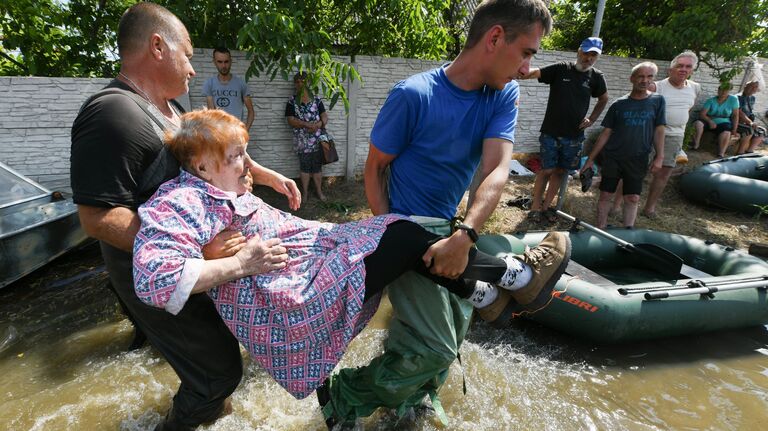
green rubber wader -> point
(427, 328)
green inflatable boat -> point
(611, 293)
(737, 183)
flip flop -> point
(550, 215)
(522, 202)
(586, 180)
(534, 216)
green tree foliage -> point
(721, 32)
(284, 36)
(213, 23)
(57, 38)
(77, 37)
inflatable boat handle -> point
(704, 290)
(732, 158)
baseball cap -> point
(592, 44)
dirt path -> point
(346, 201)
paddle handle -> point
(591, 228)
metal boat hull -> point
(51, 229)
(36, 225)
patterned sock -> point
(518, 274)
(484, 295)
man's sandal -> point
(550, 215)
(534, 216)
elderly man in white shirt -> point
(680, 94)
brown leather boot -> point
(499, 312)
(547, 261)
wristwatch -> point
(470, 231)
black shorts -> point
(719, 128)
(311, 163)
(631, 170)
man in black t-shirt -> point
(571, 87)
(117, 162)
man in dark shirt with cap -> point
(571, 86)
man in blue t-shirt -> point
(226, 91)
(431, 135)
(633, 124)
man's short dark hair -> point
(143, 19)
(514, 16)
(300, 76)
(221, 50)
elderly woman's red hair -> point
(205, 133)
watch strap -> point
(469, 230)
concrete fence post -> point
(353, 87)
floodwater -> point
(64, 366)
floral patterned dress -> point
(296, 322)
(305, 141)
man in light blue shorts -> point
(571, 87)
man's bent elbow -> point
(89, 220)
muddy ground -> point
(346, 201)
